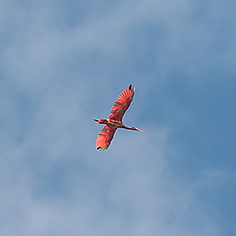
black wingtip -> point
(130, 87)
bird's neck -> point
(127, 127)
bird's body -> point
(114, 120)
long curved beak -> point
(96, 119)
(140, 130)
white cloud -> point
(125, 190)
(53, 181)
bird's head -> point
(134, 128)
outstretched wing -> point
(104, 137)
(122, 103)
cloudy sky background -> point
(65, 62)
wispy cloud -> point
(58, 73)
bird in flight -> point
(114, 120)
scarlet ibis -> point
(114, 120)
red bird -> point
(114, 120)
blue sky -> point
(64, 63)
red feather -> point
(104, 137)
(114, 120)
(122, 104)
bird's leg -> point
(101, 121)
